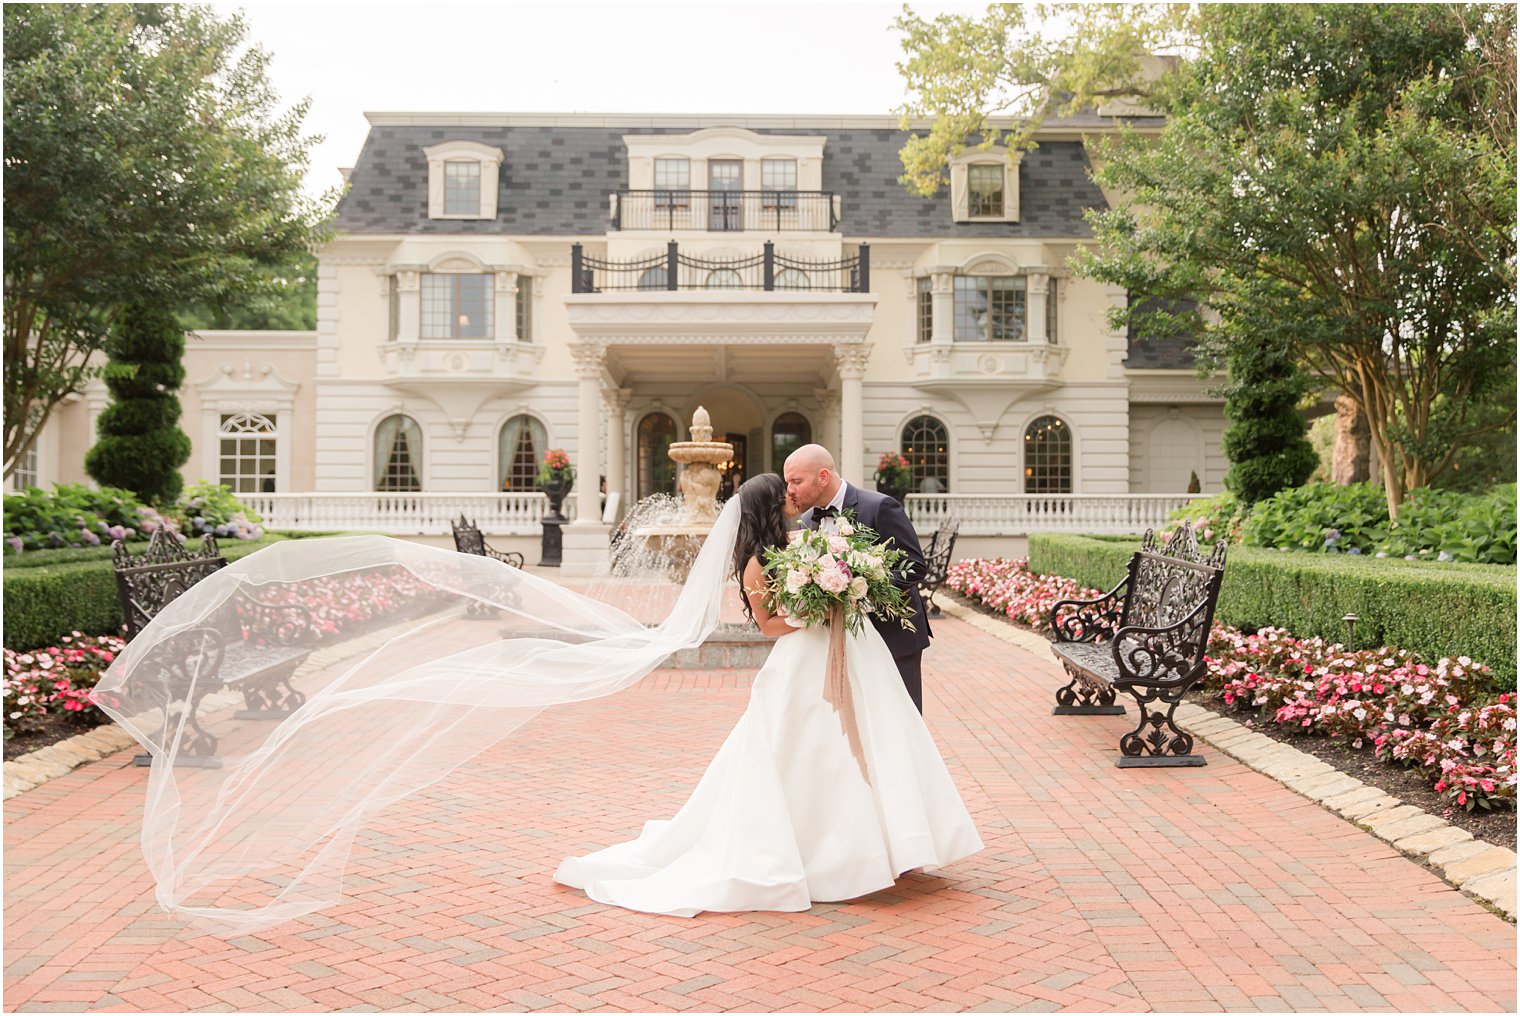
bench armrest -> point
(1163, 656)
(1092, 620)
(510, 557)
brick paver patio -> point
(1186, 889)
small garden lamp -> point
(1351, 620)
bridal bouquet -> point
(817, 573)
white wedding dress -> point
(783, 818)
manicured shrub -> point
(1265, 440)
(141, 446)
(1433, 609)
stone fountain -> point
(675, 543)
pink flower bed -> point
(56, 679)
(1442, 718)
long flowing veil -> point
(289, 697)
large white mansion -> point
(504, 284)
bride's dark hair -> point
(762, 524)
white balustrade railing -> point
(1021, 514)
(507, 514)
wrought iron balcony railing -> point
(766, 271)
(726, 211)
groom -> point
(817, 491)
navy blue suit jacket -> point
(885, 515)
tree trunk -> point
(1353, 443)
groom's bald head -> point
(811, 479)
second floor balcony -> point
(726, 211)
(766, 271)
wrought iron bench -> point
(1146, 637)
(467, 540)
(258, 657)
(937, 561)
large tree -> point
(1337, 181)
(146, 160)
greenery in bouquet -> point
(210, 508)
(818, 571)
(894, 470)
(555, 468)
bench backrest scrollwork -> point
(467, 538)
(147, 582)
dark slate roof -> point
(1161, 353)
(555, 181)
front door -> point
(724, 181)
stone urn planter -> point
(557, 489)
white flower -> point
(809, 553)
(858, 587)
(838, 545)
(796, 579)
(844, 527)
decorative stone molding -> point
(721, 317)
(590, 360)
(852, 361)
(489, 159)
(1027, 364)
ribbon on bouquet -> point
(836, 688)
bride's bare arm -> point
(770, 624)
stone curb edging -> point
(38, 767)
(1475, 867)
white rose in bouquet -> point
(838, 545)
(796, 579)
(843, 528)
(858, 587)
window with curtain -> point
(1050, 312)
(989, 308)
(456, 306)
(247, 443)
(523, 441)
(657, 473)
(461, 188)
(790, 432)
(1047, 456)
(926, 445)
(792, 278)
(654, 278)
(724, 278)
(925, 287)
(985, 183)
(398, 454)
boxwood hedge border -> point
(1434, 609)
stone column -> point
(615, 402)
(942, 308)
(408, 305)
(828, 417)
(586, 537)
(506, 306)
(1038, 292)
(852, 361)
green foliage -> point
(1265, 440)
(141, 446)
(212, 508)
(1450, 526)
(147, 160)
(1336, 180)
(73, 515)
(1321, 517)
(1214, 517)
(44, 603)
(1433, 609)
(286, 300)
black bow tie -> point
(825, 513)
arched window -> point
(926, 444)
(724, 278)
(398, 454)
(1047, 456)
(653, 278)
(523, 440)
(247, 459)
(792, 278)
(657, 473)
(790, 432)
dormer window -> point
(984, 186)
(462, 180)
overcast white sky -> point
(573, 57)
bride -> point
(783, 816)
(370, 668)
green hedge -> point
(1433, 609)
(76, 591)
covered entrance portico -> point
(767, 367)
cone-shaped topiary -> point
(1265, 441)
(141, 446)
